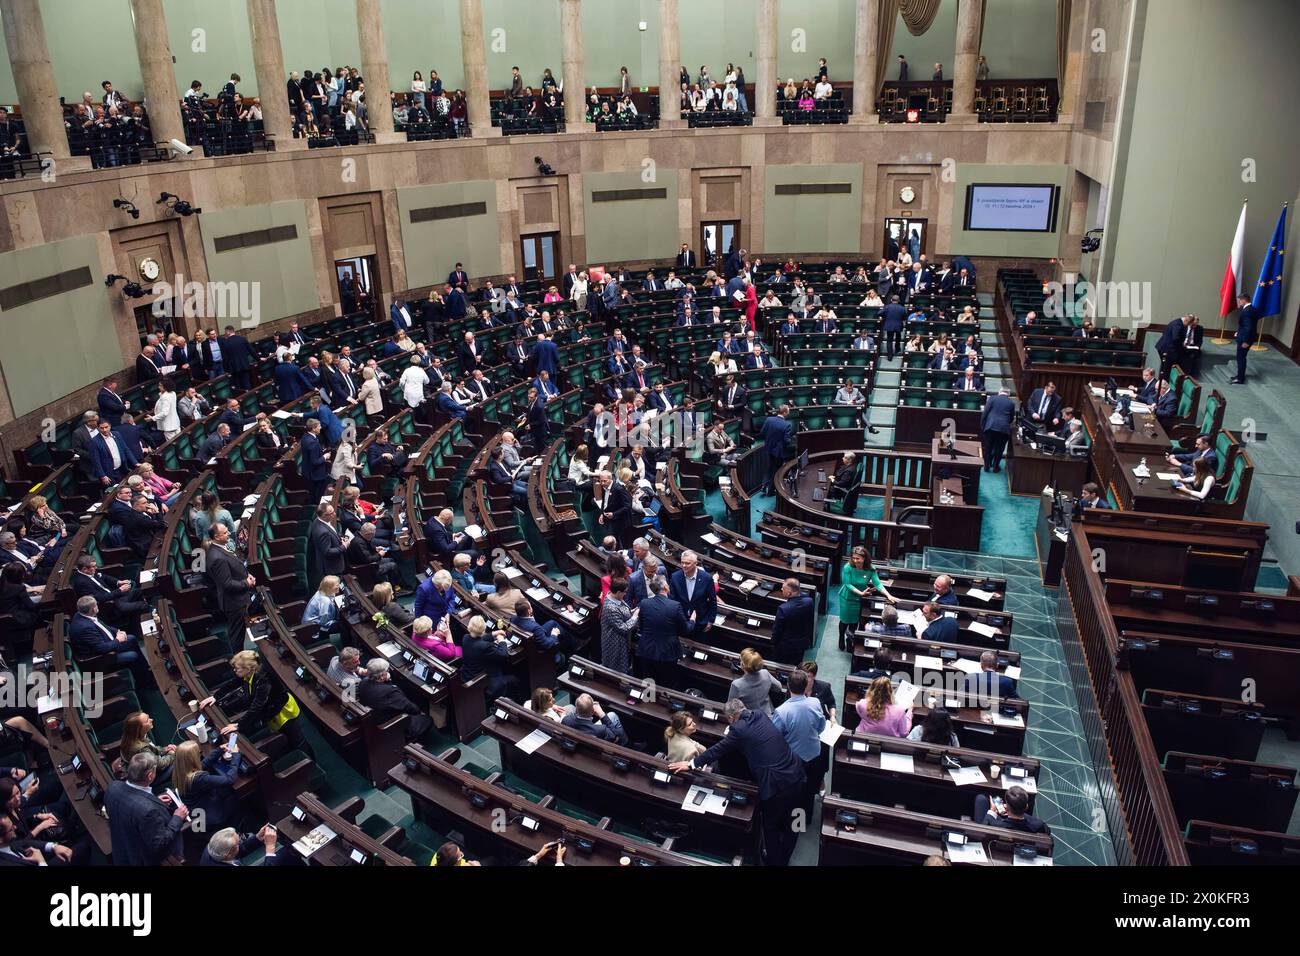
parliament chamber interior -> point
(752, 433)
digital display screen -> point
(1011, 207)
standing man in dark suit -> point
(229, 578)
(685, 258)
(111, 405)
(658, 643)
(777, 433)
(1247, 323)
(902, 68)
(289, 381)
(1170, 346)
(238, 358)
(458, 278)
(774, 767)
(693, 588)
(315, 461)
(326, 546)
(110, 458)
(893, 317)
(1044, 408)
(792, 630)
(995, 428)
(455, 304)
(546, 357)
(613, 508)
(148, 364)
(539, 425)
(144, 830)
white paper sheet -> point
(831, 733)
(967, 853)
(965, 776)
(533, 741)
(1013, 673)
(898, 763)
(979, 627)
(979, 594)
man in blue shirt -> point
(801, 721)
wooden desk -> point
(349, 837)
(889, 836)
(1050, 546)
(969, 460)
(968, 721)
(450, 798)
(1236, 792)
(957, 524)
(1151, 494)
(1147, 437)
(1030, 470)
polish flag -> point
(1232, 275)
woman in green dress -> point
(858, 579)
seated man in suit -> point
(89, 636)
(1075, 436)
(1044, 407)
(141, 525)
(793, 627)
(363, 550)
(119, 601)
(448, 404)
(944, 594)
(590, 718)
(1012, 813)
(227, 847)
(549, 636)
(988, 684)
(939, 627)
(970, 380)
(1166, 407)
(758, 358)
(213, 444)
(1090, 496)
(380, 694)
(1202, 449)
(846, 476)
(1149, 389)
(442, 542)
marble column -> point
(38, 93)
(966, 59)
(155, 55)
(573, 63)
(764, 101)
(374, 67)
(669, 63)
(474, 57)
(268, 64)
(866, 60)
(1070, 86)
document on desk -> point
(965, 776)
(1168, 475)
(979, 594)
(967, 853)
(928, 663)
(146, 577)
(697, 800)
(49, 702)
(533, 741)
(905, 693)
(1029, 784)
(1117, 419)
(1013, 673)
(711, 538)
(1018, 860)
(831, 733)
(1139, 408)
(898, 763)
(1016, 721)
(538, 594)
(389, 648)
(512, 572)
(979, 627)
(966, 665)
(320, 837)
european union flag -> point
(1268, 292)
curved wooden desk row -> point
(500, 820)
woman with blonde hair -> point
(552, 295)
(167, 491)
(543, 702)
(207, 784)
(878, 714)
(44, 525)
(369, 394)
(437, 643)
(322, 610)
(679, 747)
(381, 596)
(754, 687)
(579, 292)
(257, 694)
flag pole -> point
(1259, 345)
(1222, 338)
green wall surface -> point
(526, 35)
(433, 248)
(1040, 244)
(826, 29)
(1019, 39)
(715, 34)
(283, 273)
(829, 222)
(611, 38)
(55, 345)
(935, 45)
(631, 228)
(423, 35)
(1201, 113)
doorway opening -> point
(905, 233)
(717, 239)
(541, 255)
(357, 287)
